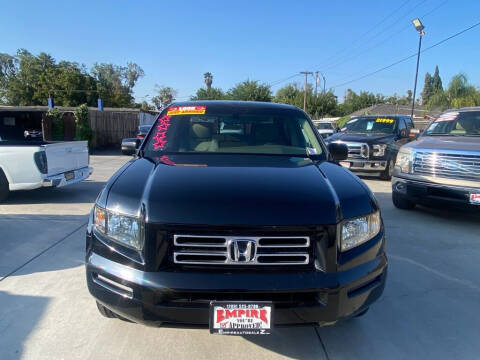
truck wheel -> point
(401, 203)
(4, 188)
(388, 172)
(104, 311)
(360, 314)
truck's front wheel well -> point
(4, 186)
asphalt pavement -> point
(429, 309)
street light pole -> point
(419, 27)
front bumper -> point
(424, 192)
(60, 180)
(367, 166)
(179, 298)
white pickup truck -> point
(30, 164)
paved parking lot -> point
(429, 310)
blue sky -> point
(175, 42)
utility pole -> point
(316, 82)
(306, 73)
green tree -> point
(165, 96)
(437, 81)
(8, 67)
(427, 88)
(115, 83)
(209, 94)
(458, 94)
(290, 94)
(250, 91)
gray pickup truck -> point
(443, 164)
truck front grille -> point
(241, 250)
(357, 150)
(454, 166)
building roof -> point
(382, 109)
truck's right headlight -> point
(405, 160)
(359, 230)
(123, 229)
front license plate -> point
(475, 199)
(69, 175)
(241, 318)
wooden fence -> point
(110, 127)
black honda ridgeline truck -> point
(236, 216)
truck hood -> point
(363, 137)
(238, 190)
(448, 143)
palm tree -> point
(458, 94)
(208, 78)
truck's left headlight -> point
(123, 229)
(359, 230)
(379, 149)
(405, 160)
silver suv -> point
(443, 164)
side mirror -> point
(338, 151)
(403, 133)
(130, 146)
(414, 133)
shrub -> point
(57, 124)
(82, 126)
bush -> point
(82, 126)
(57, 124)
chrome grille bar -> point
(217, 250)
(455, 166)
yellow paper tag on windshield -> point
(186, 110)
(384, 120)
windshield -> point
(272, 133)
(456, 124)
(324, 126)
(371, 125)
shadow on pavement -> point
(25, 238)
(296, 343)
(82, 192)
(19, 316)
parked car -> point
(26, 165)
(325, 128)
(143, 131)
(240, 230)
(33, 135)
(373, 142)
(130, 145)
(443, 164)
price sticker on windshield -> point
(186, 110)
(475, 199)
(450, 116)
(385, 121)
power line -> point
(351, 57)
(407, 57)
(274, 83)
(337, 54)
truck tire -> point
(388, 172)
(360, 314)
(4, 187)
(401, 203)
(105, 312)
